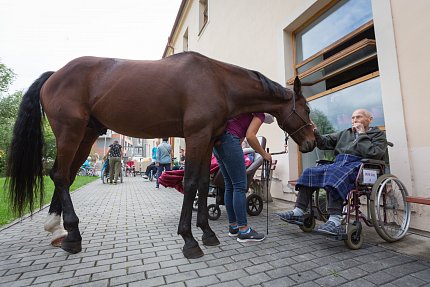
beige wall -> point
(411, 24)
(256, 35)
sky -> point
(44, 35)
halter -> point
(306, 124)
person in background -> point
(115, 154)
(87, 163)
(229, 154)
(152, 169)
(154, 151)
(182, 158)
(350, 146)
(164, 158)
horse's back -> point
(129, 95)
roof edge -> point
(175, 25)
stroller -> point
(254, 202)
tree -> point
(324, 127)
(6, 78)
(9, 106)
(50, 146)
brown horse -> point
(186, 95)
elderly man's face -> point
(359, 117)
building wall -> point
(256, 35)
(410, 23)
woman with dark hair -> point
(229, 154)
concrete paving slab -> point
(129, 239)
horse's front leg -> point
(209, 237)
(191, 247)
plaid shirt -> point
(339, 176)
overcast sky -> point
(37, 36)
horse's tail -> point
(24, 164)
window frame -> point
(332, 59)
(203, 15)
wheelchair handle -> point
(276, 153)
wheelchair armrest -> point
(248, 150)
(372, 161)
(324, 161)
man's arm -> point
(326, 142)
(371, 145)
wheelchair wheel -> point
(214, 212)
(390, 213)
(254, 204)
(308, 224)
(355, 237)
(82, 171)
(103, 176)
(320, 202)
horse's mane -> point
(269, 85)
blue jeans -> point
(160, 168)
(229, 155)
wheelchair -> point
(254, 202)
(384, 197)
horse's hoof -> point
(71, 246)
(192, 252)
(210, 240)
(58, 241)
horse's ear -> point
(297, 86)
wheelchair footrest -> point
(296, 222)
(342, 236)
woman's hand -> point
(267, 156)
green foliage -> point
(8, 110)
(324, 127)
(9, 105)
(6, 214)
(322, 122)
(50, 147)
(6, 78)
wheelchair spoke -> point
(391, 209)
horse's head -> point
(294, 119)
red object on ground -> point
(174, 178)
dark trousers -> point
(162, 167)
(152, 167)
(334, 207)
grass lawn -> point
(6, 215)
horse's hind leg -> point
(209, 237)
(53, 221)
(69, 139)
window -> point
(203, 15)
(337, 62)
(185, 40)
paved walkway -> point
(129, 239)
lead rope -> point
(266, 173)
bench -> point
(418, 200)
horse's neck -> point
(254, 102)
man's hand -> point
(313, 125)
(358, 127)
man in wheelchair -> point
(338, 178)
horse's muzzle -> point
(307, 146)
